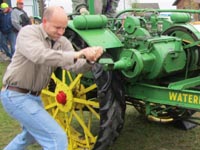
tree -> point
(42, 6)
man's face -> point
(20, 5)
(55, 26)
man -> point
(19, 16)
(8, 35)
(5, 55)
(29, 72)
(106, 7)
(3, 44)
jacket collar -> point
(45, 35)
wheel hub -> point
(64, 98)
(61, 98)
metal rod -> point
(158, 11)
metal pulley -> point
(131, 23)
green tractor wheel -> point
(92, 115)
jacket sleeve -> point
(38, 53)
(15, 19)
(113, 8)
(80, 66)
(78, 4)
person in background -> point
(19, 16)
(4, 54)
(106, 7)
(32, 20)
(1, 47)
(35, 20)
(8, 36)
(40, 49)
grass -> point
(138, 133)
(8, 127)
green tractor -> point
(150, 61)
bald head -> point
(54, 11)
(54, 21)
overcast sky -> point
(163, 4)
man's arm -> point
(66, 57)
(78, 4)
(15, 19)
(82, 58)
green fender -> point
(95, 34)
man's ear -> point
(44, 20)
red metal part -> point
(61, 98)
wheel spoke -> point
(50, 106)
(70, 117)
(82, 123)
(55, 113)
(69, 76)
(63, 76)
(77, 138)
(88, 89)
(86, 102)
(93, 112)
(76, 80)
(49, 93)
(58, 81)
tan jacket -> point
(35, 59)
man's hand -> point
(92, 54)
(84, 11)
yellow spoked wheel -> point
(90, 124)
(66, 100)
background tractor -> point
(150, 61)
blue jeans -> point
(11, 38)
(37, 124)
(4, 46)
